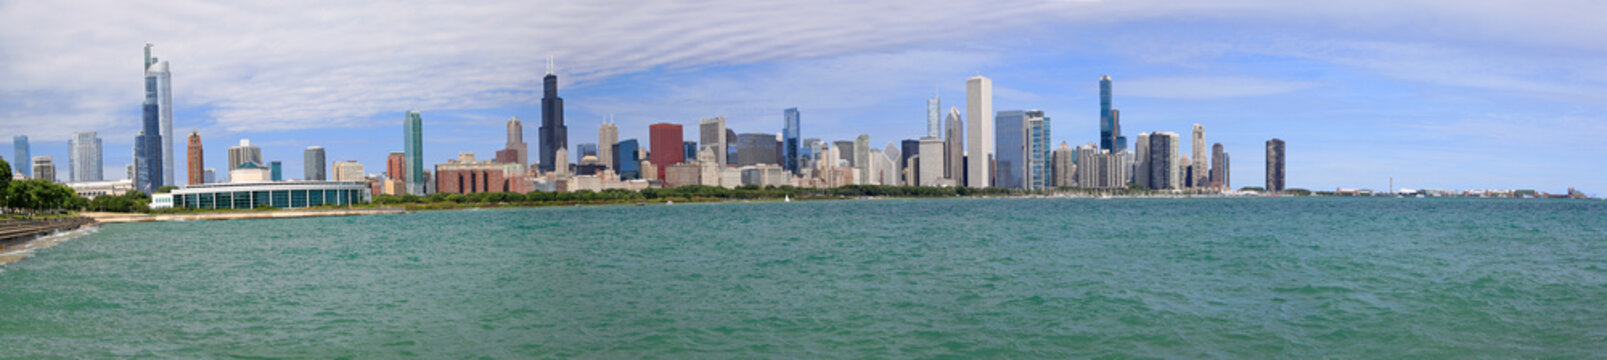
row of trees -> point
(35, 196)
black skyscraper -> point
(554, 135)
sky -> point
(1432, 94)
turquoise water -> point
(957, 278)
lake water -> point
(951, 278)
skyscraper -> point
(893, 166)
(789, 140)
(20, 157)
(911, 171)
(934, 117)
(1141, 161)
(845, 152)
(276, 171)
(195, 173)
(712, 135)
(756, 148)
(862, 158)
(665, 147)
(689, 150)
(516, 142)
(239, 155)
(1275, 165)
(1039, 147)
(1219, 168)
(164, 107)
(396, 166)
(413, 148)
(44, 168)
(625, 154)
(84, 157)
(312, 164)
(1109, 124)
(1010, 144)
(954, 149)
(979, 107)
(1200, 177)
(1065, 166)
(607, 138)
(148, 161)
(930, 168)
(554, 135)
(1163, 154)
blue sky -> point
(1436, 94)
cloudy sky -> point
(1436, 94)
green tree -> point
(5, 180)
(165, 189)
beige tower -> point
(979, 108)
(607, 136)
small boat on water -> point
(786, 198)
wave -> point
(26, 249)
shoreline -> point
(121, 218)
(17, 251)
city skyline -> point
(1425, 129)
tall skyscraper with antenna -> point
(554, 135)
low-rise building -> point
(284, 194)
(91, 189)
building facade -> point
(413, 152)
(664, 140)
(1039, 147)
(244, 153)
(607, 140)
(516, 143)
(312, 164)
(1275, 165)
(195, 169)
(1199, 177)
(790, 140)
(1163, 154)
(468, 176)
(979, 108)
(954, 149)
(1010, 146)
(84, 157)
(44, 168)
(348, 171)
(934, 117)
(756, 148)
(19, 156)
(712, 136)
(625, 155)
(283, 195)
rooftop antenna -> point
(549, 65)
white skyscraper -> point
(930, 158)
(164, 108)
(84, 157)
(979, 108)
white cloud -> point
(283, 65)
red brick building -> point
(467, 176)
(664, 141)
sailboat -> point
(786, 198)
